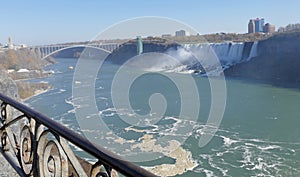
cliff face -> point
(12, 61)
(278, 61)
(22, 58)
(20, 64)
(8, 87)
(286, 44)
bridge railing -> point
(35, 145)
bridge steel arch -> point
(73, 46)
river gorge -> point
(258, 135)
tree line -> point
(289, 27)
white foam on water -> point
(227, 141)
(247, 158)
(208, 173)
(51, 72)
(69, 101)
(264, 147)
(272, 118)
(75, 147)
(92, 161)
(269, 147)
(179, 129)
(108, 112)
(90, 131)
(102, 98)
(92, 116)
(258, 156)
(62, 90)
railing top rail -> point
(105, 156)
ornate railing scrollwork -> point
(3, 111)
(26, 151)
(40, 147)
(52, 159)
(5, 141)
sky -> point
(36, 22)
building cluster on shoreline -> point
(258, 26)
(179, 33)
(11, 45)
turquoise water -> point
(258, 136)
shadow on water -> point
(274, 83)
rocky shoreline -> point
(17, 67)
(28, 90)
(23, 65)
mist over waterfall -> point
(202, 58)
(216, 57)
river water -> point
(258, 135)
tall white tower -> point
(10, 43)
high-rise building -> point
(251, 26)
(180, 33)
(259, 25)
(268, 28)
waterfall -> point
(228, 54)
(253, 52)
(221, 49)
(235, 52)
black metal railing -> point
(35, 145)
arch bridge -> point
(47, 50)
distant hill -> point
(220, 37)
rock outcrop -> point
(9, 88)
(18, 65)
(21, 58)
